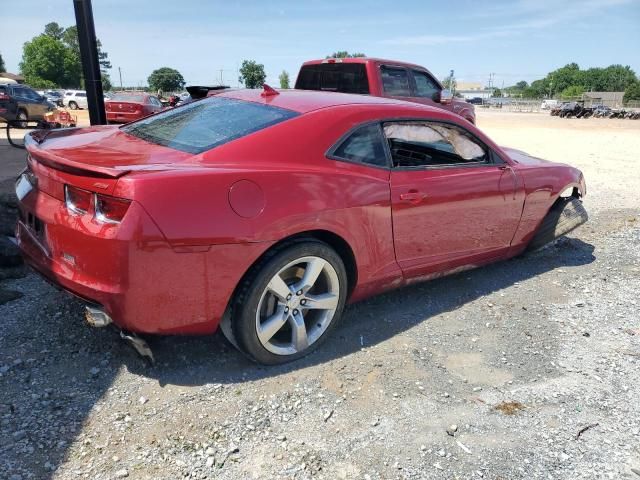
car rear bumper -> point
(123, 117)
(129, 269)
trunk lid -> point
(123, 107)
(99, 151)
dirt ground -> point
(523, 369)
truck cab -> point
(381, 78)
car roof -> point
(364, 60)
(303, 101)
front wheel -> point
(73, 105)
(290, 302)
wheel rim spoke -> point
(279, 288)
(273, 324)
(311, 273)
(299, 336)
(325, 301)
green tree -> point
(632, 92)
(70, 39)
(345, 54)
(166, 79)
(106, 82)
(521, 85)
(54, 30)
(2, 69)
(284, 79)
(252, 74)
(572, 91)
(496, 92)
(47, 62)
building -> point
(610, 99)
(472, 90)
(6, 77)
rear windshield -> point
(334, 77)
(207, 123)
(126, 97)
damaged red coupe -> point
(273, 210)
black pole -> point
(90, 61)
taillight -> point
(106, 209)
(110, 209)
(4, 97)
(77, 200)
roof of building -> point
(12, 76)
(604, 95)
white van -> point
(548, 104)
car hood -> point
(102, 149)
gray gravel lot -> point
(523, 369)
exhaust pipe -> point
(96, 317)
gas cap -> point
(246, 198)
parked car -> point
(381, 78)
(272, 211)
(126, 107)
(75, 99)
(475, 100)
(54, 97)
(22, 103)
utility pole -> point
(90, 61)
(221, 77)
(120, 73)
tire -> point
(565, 215)
(73, 105)
(287, 308)
(22, 118)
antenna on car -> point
(268, 91)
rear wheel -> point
(22, 118)
(290, 302)
(566, 214)
(73, 105)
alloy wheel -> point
(298, 305)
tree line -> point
(570, 81)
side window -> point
(31, 94)
(365, 145)
(395, 81)
(425, 86)
(430, 144)
(20, 92)
(81, 94)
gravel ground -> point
(524, 369)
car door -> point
(424, 88)
(395, 82)
(37, 103)
(23, 100)
(454, 201)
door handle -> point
(412, 196)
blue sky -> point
(515, 40)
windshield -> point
(207, 123)
(127, 97)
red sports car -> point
(127, 107)
(273, 210)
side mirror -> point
(446, 97)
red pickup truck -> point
(381, 78)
